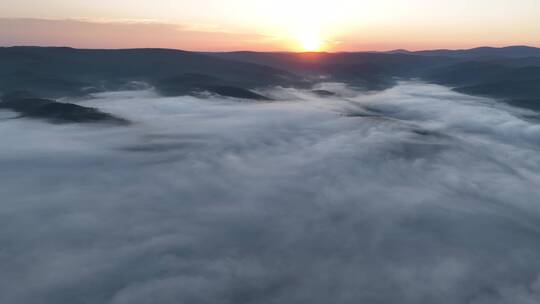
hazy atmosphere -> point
(269, 152)
(304, 199)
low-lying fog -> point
(413, 195)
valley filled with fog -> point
(414, 194)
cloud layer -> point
(413, 195)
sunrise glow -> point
(278, 25)
(310, 42)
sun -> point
(310, 42)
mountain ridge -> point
(53, 72)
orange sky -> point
(278, 25)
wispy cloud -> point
(125, 33)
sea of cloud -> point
(412, 195)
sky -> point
(277, 25)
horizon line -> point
(276, 52)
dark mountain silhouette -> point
(511, 74)
(519, 93)
(193, 83)
(463, 73)
(29, 106)
(519, 86)
(236, 92)
(55, 72)
(509, 52)
(372, 71)
(512, 62)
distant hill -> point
(54, 72)
(372, 71)
(509, 52)
(511, 74)
(57, 112)
(519, 86)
